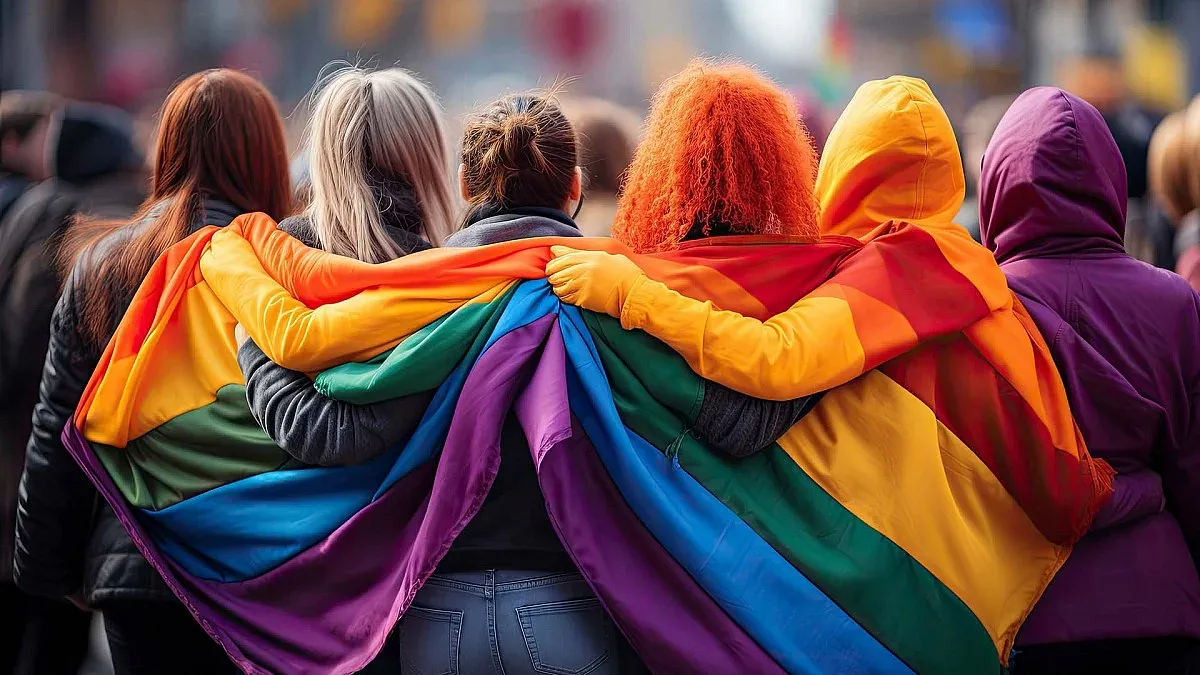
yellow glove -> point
(592, 280)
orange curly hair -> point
(723, 146)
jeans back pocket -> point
(429, 640)
(573, 637)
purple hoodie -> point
(1126, 338)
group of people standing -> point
(725, 154)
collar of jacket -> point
(492, 224)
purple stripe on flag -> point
(671, 622)
(329, 609)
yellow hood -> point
(891, 156)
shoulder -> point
(1164, 284)
(301, 227)
(41, 207)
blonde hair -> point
(371, 128)
(1169, 167)
(519, 150)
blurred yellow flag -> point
(1155, 69)
(362, 22)
(452, 25)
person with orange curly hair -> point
(891, 158)
(725, 153)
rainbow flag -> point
(907, 524)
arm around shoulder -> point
(316, 429)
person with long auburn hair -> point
(220, 153)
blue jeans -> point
(507, 623)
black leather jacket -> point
(68, 540)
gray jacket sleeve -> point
(316, 429)
(741, 425)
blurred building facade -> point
(129, 51)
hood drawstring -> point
(676, 445)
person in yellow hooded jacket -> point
(975, 386)
(891, 158)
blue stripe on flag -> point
(244, 529)
(797, 624)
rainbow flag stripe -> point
(907, 524)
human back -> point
(1123, 335)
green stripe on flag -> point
(421, 362)
(875, 581)
(192, 453)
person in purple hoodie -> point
(1126, 338)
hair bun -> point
(519, 150)
(519, 135)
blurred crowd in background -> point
(1130, 58)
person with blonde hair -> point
(1169, 171)
(378, 167)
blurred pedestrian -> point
(1100, 80)
(24, 125)
(1172, 160)
(980, 123)
(220, 152)
(1124, 337)
(608, 137)
(59, 159)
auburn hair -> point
(519, 151)
(220, 136)
(724, 147)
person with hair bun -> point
(520, 175)
(519, 172)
